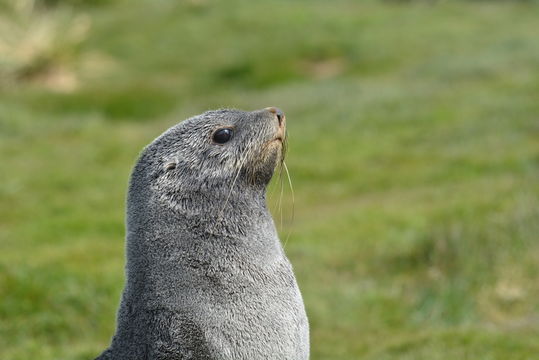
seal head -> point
(206, 276)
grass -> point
(414, 154)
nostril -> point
(278, 113)
(280, 118)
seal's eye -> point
(221, 136)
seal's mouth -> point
(277, 139)
(281, 133)
(270, 152)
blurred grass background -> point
(414, 154)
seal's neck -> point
(207, 209)
(235, 199)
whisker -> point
(277, 184)
(221, 212)
(293, 203)
(281, 197)
(272, 202)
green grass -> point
(414, 155)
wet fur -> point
(207, 277)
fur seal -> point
(206, 275)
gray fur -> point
(207, 277)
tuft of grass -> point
(42, 45)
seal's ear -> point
(170, 165)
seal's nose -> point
(278, 113)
